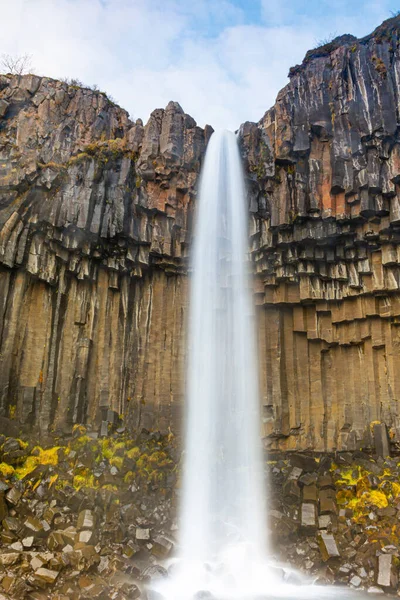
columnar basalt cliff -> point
(94, 218)
(324, 167)
(95, 227)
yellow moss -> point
(159, 459)
(106, 448)
(12, 410)
(78, 158)
(117, 461)
(395, 489)
(133, 453)
(6, 470)
(53, 479)
(344, 497)
(28, 466)
(51, 165)
(376, 498)
(38, 457)
(85, 480)
(79, 428)
(142, 461)
(111, 488)
(49, 456)
(350, 476)
(80, 442)
(128, 478)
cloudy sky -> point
(224, 61)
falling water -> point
(223, 528)
(223, 492)
(223, 541)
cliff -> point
(324, 170)
(94, 217)
(95, 226)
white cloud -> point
(147, 52)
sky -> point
(224, 61)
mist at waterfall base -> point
(223, 546)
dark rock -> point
(308, 464)
(327, 501)
(381, 439)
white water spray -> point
(223, 542)
(223, 529)
(223, 490)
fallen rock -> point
(308, 515)
(162, 546)
(327, 545)
(9, 558)
(142, 534)
(85, 520)
(387, 577)
(45, 576)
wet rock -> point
(324, 521)
(295, 473)
(292, 491)
(85, 520)
(310, 493)
(153, 571)
(328, 546)
(387, 577)
(326, 481)
(162, 546)
(35, 525)
(28, 542)
(308, 479)
(44, 576)
(308, 515)
(381, 440)
(142, 534)
(3, 508)
(327, 501)
(13, 496)
(9, 558)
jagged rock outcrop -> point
(324, 175)
(94, 216)
(95, 225)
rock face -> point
(324, 175)
(95, 225)
(94, 214)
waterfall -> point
(223, 549)
(223, 537)
(223, 497)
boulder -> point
(328, 546)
